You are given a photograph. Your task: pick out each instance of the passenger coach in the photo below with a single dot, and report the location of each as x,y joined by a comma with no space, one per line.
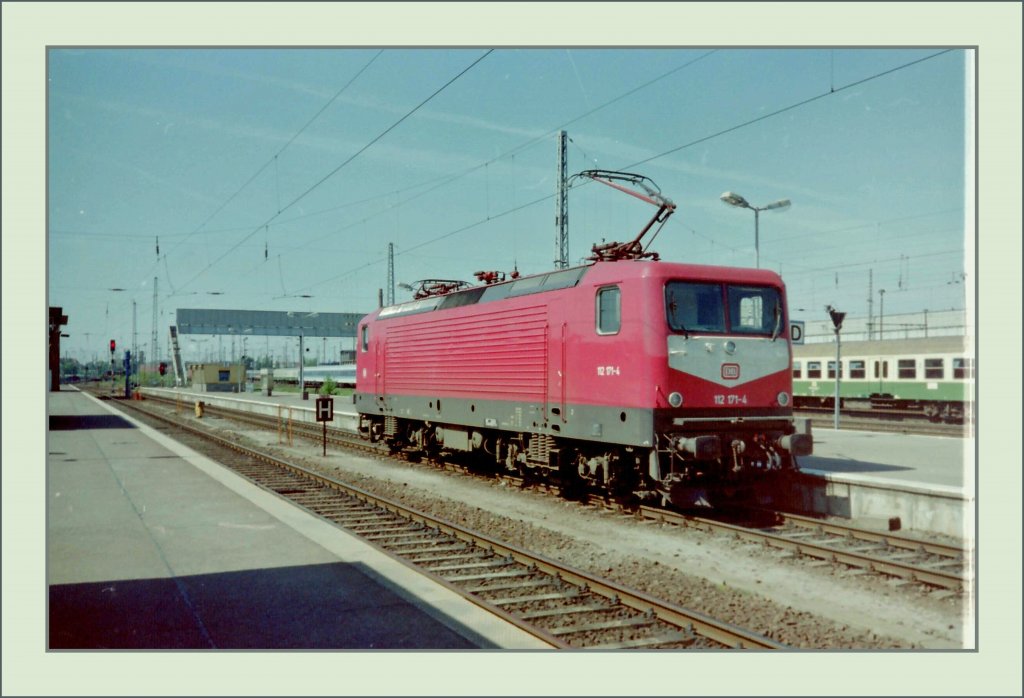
934,375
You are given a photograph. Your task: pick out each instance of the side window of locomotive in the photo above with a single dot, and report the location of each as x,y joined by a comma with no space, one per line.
814,369
933,368
858,370
609,310
694,307
962,369
906,368
365,331
796,369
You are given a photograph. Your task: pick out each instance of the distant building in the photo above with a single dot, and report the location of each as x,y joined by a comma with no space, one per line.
217,378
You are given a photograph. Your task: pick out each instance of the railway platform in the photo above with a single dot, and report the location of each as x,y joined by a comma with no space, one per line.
891,481
153,546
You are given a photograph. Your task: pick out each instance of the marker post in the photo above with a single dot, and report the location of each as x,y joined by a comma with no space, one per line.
324,414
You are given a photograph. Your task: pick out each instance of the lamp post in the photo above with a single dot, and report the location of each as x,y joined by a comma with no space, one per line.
132,355
733,199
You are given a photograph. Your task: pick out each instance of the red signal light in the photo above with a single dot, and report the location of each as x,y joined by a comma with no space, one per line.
163,368
113,346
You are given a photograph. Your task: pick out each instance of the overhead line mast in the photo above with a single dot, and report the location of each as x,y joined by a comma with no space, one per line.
155,338
562,207
391,274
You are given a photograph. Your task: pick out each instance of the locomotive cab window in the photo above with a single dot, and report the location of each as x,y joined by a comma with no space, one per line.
694,307
754,310
723,309
609,310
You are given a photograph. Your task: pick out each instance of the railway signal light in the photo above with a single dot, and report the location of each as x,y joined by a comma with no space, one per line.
837,323
837,317
113,346
163,368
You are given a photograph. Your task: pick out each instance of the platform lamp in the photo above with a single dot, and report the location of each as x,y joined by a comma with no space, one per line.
837,325
734,199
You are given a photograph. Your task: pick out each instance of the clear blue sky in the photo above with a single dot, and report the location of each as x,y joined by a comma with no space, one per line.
269,175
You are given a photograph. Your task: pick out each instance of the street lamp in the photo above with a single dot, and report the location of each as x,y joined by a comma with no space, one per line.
131,368
734,199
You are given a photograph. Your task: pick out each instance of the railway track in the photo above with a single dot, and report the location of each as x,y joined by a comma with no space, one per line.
931,564
565,607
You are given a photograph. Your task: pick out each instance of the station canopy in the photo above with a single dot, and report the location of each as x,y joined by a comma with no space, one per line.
272,323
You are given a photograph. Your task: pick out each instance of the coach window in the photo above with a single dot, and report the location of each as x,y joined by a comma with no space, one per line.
906,368
796,369
609,310
962,369
365,330
857,369
814,369
832,369
933,368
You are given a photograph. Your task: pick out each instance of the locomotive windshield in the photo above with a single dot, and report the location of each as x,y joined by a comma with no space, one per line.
723,308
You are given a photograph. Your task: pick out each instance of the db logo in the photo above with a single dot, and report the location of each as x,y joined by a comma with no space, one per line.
730,371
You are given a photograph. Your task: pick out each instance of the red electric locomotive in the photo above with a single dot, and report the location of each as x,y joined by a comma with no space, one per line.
629,374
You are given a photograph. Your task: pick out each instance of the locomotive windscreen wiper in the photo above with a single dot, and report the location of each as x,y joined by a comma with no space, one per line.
672,307
778,320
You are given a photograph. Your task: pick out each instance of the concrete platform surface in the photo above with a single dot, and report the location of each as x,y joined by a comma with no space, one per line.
153,546
906,459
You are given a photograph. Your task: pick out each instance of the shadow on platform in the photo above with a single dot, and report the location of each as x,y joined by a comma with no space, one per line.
324,606
845,465
69,422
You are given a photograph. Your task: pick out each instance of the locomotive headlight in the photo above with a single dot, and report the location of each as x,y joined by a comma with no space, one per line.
783,398
675,399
